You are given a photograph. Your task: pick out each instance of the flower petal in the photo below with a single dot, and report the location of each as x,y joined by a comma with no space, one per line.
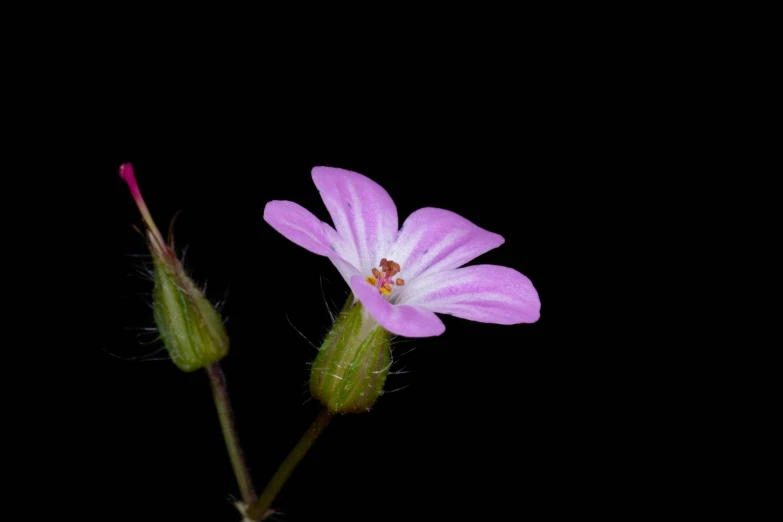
410,321
363,213
486,293
433,240
299,225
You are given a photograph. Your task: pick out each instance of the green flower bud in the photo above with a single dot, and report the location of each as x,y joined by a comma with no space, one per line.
350,369
190,327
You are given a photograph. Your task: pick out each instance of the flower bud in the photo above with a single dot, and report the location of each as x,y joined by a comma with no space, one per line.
191,329
350,369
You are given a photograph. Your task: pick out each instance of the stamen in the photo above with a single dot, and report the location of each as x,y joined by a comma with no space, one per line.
382,279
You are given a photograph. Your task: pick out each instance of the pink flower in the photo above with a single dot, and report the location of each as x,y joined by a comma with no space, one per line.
403,277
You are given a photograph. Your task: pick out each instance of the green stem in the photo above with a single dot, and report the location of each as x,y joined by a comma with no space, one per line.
260,506
218,382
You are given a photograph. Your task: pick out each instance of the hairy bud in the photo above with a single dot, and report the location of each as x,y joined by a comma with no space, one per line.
190,327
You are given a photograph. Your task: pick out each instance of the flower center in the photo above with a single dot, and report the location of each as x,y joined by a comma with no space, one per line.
382,279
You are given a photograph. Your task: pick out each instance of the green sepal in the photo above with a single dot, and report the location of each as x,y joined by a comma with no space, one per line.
350,369
190,327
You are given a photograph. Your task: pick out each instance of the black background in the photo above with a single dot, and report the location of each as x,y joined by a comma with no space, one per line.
492,420
577,135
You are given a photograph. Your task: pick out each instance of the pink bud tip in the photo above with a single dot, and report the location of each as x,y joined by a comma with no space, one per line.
126,173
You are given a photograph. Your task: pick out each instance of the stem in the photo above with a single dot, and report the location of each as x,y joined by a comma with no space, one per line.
218,382
260,506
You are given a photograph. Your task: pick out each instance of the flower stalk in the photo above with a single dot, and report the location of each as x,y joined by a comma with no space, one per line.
225,414
259,508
